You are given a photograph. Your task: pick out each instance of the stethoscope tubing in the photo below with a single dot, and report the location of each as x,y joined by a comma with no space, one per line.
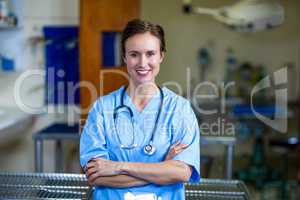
149,148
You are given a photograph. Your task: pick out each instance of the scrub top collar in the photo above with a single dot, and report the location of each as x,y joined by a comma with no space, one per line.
152,105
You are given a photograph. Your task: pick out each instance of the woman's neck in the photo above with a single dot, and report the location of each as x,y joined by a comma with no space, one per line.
142,93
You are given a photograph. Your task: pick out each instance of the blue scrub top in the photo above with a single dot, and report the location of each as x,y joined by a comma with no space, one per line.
177,121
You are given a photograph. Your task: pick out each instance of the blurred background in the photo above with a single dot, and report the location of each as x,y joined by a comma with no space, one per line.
236,61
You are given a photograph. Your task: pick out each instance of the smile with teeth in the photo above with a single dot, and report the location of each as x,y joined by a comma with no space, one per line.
142,72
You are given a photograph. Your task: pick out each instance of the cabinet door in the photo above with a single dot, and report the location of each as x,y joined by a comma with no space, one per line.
97,17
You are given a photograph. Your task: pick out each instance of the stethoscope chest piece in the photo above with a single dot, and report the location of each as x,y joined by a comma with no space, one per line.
149,149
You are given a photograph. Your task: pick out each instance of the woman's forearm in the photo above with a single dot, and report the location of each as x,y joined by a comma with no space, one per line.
119,181
162,173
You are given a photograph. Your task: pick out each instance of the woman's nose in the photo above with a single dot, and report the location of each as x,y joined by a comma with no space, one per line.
143,61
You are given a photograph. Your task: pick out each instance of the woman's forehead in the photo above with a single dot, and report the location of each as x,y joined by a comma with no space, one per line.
142,41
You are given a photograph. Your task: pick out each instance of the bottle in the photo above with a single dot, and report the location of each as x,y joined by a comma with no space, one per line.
230,70
0,62
4,11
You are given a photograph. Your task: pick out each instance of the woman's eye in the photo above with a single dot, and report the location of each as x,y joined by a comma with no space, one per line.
133,55
151,53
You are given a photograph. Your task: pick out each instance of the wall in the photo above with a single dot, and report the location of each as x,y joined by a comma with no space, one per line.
12,40
27,47
185,34
23,43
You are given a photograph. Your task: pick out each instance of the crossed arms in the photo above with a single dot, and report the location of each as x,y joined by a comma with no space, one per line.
104,172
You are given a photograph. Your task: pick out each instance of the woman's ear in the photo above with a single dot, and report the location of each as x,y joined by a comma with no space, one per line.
124,60
162,56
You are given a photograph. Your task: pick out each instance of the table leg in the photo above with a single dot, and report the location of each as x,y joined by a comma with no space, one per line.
58,156
229,161
38,152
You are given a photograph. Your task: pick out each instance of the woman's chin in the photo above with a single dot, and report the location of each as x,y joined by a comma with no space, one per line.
144,81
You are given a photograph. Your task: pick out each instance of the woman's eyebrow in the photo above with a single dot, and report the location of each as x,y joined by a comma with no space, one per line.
138,52
133,51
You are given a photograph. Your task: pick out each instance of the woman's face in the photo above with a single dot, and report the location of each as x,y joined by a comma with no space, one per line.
143,57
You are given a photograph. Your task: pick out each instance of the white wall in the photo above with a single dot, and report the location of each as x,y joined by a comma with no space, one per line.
49,12
33,15
185,34
27,48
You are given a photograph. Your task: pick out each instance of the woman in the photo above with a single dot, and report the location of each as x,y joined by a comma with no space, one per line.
141,141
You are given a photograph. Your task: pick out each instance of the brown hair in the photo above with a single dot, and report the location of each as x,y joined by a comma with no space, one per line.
138,26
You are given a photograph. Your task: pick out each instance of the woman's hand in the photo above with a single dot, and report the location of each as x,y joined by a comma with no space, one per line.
101,167
175,149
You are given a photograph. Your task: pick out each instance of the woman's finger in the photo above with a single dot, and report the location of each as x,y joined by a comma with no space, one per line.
179,146
178,149
183,146
175,149
175,144
90,164
90,171
93,177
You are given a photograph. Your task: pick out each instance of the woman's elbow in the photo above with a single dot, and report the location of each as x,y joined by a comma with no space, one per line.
184,173
183,176
181,173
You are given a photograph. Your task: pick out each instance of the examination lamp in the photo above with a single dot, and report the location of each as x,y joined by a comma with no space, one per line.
245,15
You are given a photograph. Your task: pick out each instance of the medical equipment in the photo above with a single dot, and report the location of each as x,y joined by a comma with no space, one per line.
204,61
244,16
149,149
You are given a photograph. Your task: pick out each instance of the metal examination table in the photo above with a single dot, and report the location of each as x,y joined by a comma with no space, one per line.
60,132
74,186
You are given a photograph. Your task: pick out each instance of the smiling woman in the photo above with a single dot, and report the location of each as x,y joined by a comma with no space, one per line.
160,150
143,49
143,58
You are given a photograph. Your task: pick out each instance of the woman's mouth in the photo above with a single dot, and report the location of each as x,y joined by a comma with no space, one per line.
142,72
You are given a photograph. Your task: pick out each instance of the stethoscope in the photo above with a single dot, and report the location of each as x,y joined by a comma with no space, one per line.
149,148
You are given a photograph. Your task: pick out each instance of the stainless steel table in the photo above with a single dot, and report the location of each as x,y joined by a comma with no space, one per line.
74,186
229,143
217,189
43,186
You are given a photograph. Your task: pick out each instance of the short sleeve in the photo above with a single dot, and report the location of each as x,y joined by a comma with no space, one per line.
92,139
187,131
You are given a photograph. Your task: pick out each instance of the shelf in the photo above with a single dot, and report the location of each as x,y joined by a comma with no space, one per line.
8,27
